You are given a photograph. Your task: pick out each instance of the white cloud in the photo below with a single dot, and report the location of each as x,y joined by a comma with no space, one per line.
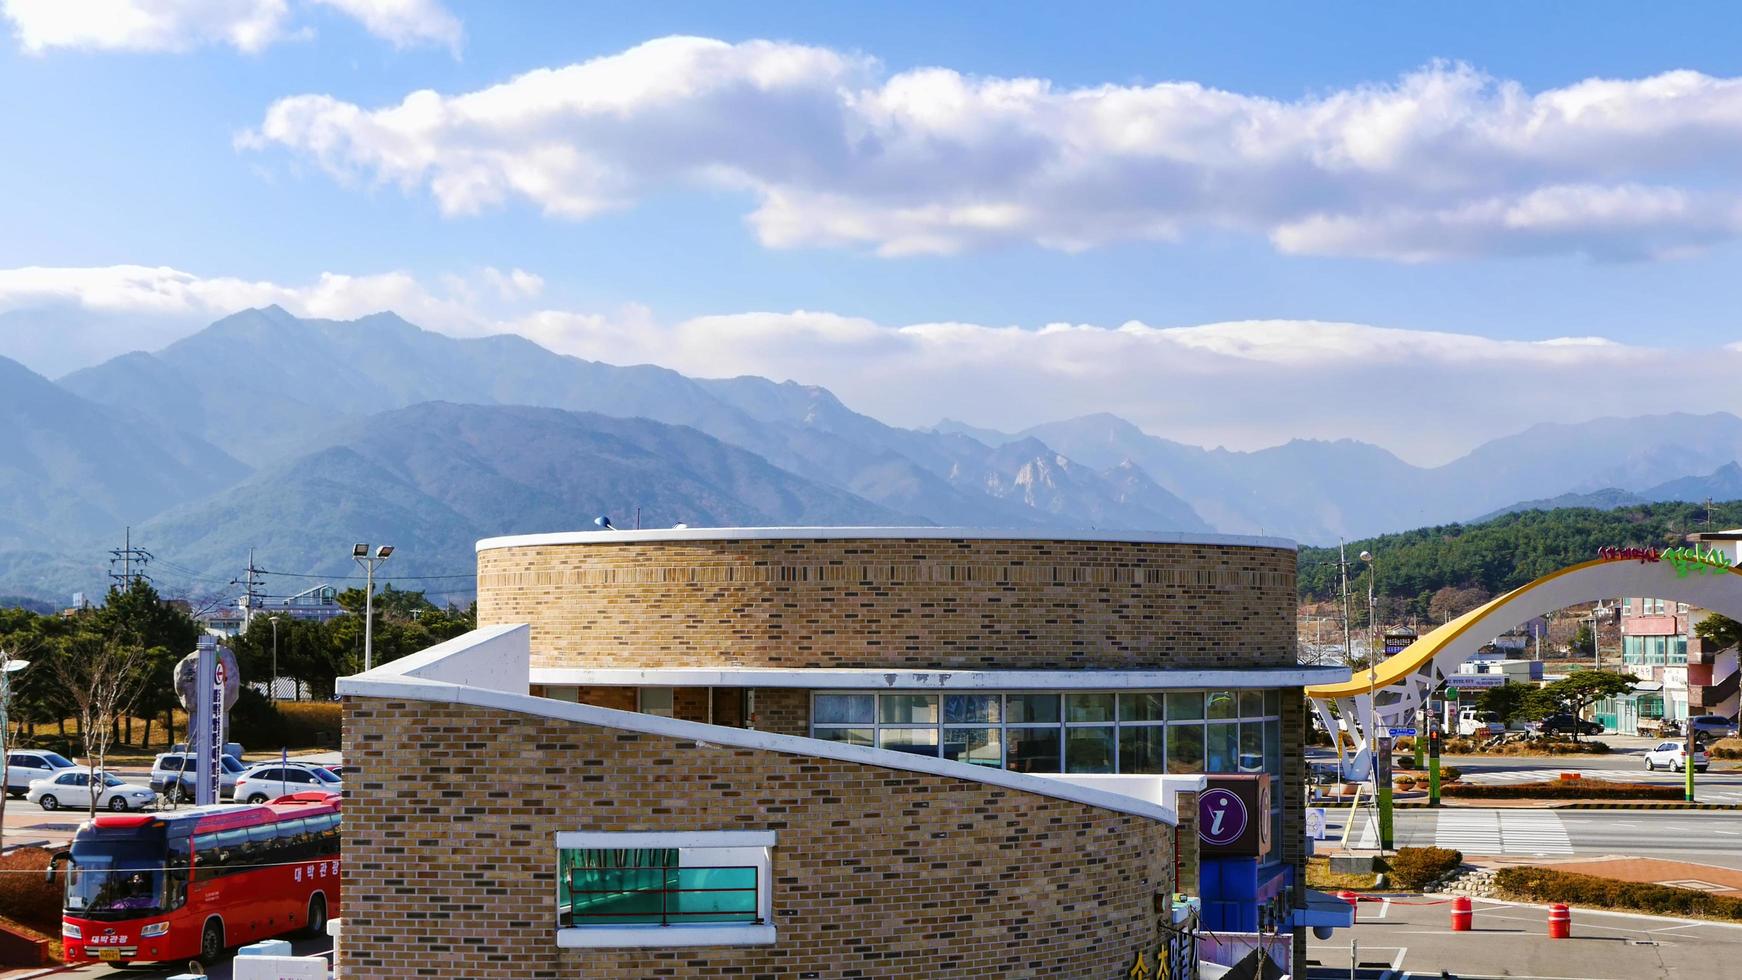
181,25
147,25
406,23
1444,162
1424,394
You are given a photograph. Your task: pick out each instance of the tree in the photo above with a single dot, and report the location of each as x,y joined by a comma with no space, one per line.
1508,701
1578,691
104,677
1722,630
1582,642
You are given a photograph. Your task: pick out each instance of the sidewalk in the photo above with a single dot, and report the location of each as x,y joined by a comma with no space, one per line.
1676,874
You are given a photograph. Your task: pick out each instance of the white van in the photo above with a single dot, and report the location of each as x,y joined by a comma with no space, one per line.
1472,721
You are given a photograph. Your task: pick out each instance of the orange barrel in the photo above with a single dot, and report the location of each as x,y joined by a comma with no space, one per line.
1462,914
1354,901
1560,922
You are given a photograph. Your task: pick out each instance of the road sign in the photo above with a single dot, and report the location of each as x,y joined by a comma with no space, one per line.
1401,732
1476,680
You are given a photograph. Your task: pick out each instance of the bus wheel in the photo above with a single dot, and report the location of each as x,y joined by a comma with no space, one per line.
317,917
212,942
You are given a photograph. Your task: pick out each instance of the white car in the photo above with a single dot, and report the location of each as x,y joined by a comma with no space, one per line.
270,780
1673,755
26,766
73,789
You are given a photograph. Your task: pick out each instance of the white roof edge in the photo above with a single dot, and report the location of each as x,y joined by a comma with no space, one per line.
880,533
825,678
418,689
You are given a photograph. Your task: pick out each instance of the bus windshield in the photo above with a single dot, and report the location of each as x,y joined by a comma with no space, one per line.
118,879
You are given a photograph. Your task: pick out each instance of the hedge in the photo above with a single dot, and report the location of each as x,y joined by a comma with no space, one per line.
1537,746
25,897
1565,789
1546,885
1729,748
1418,867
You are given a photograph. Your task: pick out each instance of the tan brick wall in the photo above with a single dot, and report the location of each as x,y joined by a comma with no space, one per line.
783,710
877,873
920,603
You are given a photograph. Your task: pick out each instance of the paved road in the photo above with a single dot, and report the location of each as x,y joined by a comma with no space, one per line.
221,971
1396,941
1701,836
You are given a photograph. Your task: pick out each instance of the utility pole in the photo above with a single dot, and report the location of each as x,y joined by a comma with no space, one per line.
128,556
1343,566
250,592
272,685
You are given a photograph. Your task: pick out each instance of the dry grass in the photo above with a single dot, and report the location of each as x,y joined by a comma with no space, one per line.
1319,875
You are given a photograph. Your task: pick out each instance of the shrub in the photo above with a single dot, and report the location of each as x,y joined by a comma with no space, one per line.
1535,746
24,896
1450,774
1405,783
1546,885
1418,867
1568,789
1729,748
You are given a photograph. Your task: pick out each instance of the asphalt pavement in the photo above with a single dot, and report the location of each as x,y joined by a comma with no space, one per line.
219,971
1407,938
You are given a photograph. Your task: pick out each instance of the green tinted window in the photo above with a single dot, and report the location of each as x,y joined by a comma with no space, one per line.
646,886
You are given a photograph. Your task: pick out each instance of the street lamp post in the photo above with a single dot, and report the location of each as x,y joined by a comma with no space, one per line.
360,553
272,685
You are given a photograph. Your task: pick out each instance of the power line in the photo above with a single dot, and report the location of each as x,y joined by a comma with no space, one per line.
127,557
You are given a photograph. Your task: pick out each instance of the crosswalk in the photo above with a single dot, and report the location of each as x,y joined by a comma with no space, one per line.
1708,794
1536,833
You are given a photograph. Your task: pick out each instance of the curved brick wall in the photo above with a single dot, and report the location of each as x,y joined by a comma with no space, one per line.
921,603
877,872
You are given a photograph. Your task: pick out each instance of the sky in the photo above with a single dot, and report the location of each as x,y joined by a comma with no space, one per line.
1234,224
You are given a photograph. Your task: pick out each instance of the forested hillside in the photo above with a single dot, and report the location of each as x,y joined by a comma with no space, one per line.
1502,553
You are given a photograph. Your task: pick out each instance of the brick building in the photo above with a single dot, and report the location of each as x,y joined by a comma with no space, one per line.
832,752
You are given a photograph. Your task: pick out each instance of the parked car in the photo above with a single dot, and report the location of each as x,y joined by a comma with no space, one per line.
1713,727
1472,721
72,788
26,766
1565,724
270,780
175,775
1673,755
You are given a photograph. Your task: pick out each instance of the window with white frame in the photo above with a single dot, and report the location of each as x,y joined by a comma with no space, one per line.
701,888
1148,732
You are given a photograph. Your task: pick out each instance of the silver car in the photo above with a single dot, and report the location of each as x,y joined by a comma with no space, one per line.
73,788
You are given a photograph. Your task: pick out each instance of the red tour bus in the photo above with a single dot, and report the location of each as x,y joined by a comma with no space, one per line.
193,883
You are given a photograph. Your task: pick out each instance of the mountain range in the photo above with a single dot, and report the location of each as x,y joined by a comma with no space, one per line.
297,437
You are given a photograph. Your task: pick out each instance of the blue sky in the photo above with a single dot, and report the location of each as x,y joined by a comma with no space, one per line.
124,150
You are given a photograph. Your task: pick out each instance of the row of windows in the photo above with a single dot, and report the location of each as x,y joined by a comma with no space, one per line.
228,852
1075,708
1144,732
1655,651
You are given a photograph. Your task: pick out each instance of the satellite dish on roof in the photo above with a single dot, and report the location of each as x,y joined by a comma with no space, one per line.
604,523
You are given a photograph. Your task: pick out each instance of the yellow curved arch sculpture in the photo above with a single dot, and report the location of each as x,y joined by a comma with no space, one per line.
1400,683
1412,659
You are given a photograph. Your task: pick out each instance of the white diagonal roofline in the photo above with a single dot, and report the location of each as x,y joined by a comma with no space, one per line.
499,656
649,535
